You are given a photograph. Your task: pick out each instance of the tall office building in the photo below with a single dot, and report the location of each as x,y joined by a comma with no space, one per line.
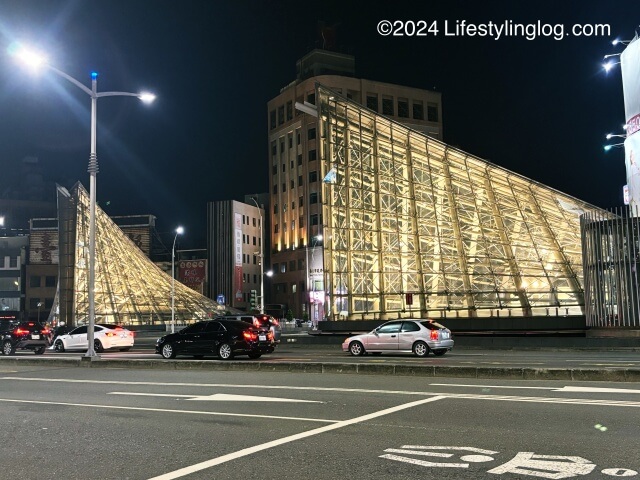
295,208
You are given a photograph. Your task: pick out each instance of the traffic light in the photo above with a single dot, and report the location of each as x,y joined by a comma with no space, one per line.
253,299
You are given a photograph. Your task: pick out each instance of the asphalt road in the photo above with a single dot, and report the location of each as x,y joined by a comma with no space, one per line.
109,423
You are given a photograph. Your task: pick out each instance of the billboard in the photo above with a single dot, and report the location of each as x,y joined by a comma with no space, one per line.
630,66
238,257
192,273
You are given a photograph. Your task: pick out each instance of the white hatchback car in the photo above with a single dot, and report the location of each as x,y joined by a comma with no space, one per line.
419,336
105,337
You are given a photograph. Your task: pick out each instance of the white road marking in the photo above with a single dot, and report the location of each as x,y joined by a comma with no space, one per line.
168,410
220,397
596,390
554,389
281,441
489,386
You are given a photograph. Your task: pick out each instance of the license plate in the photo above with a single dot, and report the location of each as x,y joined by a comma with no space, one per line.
262,338
35,337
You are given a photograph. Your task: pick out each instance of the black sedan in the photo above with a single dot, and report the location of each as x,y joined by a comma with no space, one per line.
221,338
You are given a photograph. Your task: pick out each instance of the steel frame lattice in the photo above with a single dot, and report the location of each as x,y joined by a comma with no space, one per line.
129,288
410,214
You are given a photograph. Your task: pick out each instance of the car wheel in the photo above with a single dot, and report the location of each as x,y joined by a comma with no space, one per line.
439,353
7,348
40,350
59,346
356,349
168,351
225,352
125,349
420,349
255,355
97,346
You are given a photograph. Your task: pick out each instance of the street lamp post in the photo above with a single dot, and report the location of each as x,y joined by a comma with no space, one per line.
36,60
179,231
39,305
261,256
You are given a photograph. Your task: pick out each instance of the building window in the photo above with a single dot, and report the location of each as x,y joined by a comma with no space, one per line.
302,286
372,102
293,288
275,267
403,108
301,264
292,265
301,202
293,184
283,267
432,112
34,281
274,148
418,110
254,240
298,136
290,138
301,221
300,159
291,164
281,146
293,205
276,229
387,105
255,279
299,180
255,262
311,98
280,114
283,168
314,219
13,262
275,208
289,110
272,119
311,134
312,155
284,187
313,176
293,224
313,198
254,221
275,189
274,170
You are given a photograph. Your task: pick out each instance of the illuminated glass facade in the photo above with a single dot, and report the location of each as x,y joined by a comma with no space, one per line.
129,287
412,226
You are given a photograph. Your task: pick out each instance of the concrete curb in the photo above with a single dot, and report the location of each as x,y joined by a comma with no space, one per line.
506,373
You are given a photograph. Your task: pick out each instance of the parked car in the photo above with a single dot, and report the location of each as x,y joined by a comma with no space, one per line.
415,336
260,320
221,337
24,336
105,337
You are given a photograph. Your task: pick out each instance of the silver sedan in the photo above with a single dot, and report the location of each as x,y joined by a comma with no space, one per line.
412,336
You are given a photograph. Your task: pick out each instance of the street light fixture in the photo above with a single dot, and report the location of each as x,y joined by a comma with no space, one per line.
179,231
36,60
261,256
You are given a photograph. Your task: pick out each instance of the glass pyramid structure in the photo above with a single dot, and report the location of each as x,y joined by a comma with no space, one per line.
129,288
413,226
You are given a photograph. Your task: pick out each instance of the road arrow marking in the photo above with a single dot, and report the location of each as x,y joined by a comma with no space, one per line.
219,397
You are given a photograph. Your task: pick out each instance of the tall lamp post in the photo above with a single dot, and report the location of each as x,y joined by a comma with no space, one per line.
39,305
179,231
261,256
35,60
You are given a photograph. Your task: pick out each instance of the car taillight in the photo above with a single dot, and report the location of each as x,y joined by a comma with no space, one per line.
275,322
45,331
434,335
20,331
110,334
249,335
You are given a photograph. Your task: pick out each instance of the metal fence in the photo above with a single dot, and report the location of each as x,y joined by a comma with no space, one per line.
611,257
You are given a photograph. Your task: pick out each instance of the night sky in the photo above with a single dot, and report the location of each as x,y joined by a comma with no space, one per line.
538,107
